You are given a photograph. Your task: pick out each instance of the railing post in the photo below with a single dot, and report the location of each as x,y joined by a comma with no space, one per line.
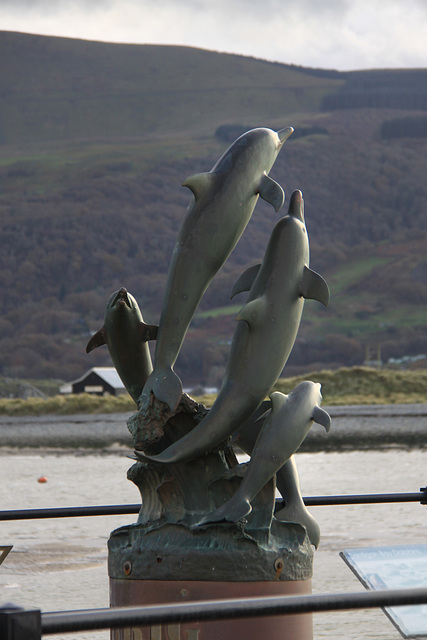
19,624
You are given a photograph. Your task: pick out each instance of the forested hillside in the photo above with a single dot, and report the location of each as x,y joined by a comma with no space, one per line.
96,140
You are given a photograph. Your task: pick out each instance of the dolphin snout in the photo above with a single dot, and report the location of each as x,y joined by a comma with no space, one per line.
296,205
284,134
121,295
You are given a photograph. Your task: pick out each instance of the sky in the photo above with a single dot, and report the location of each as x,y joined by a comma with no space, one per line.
328,34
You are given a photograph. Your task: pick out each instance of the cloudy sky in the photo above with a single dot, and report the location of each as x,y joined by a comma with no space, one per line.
331,34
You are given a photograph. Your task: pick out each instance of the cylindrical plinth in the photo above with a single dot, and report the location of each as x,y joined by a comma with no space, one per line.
149,592
165,563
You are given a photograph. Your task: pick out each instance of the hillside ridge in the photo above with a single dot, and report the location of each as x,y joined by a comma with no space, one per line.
91,198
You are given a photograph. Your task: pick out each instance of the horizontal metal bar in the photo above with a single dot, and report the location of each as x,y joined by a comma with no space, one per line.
120,509
69,512
69,621
373,498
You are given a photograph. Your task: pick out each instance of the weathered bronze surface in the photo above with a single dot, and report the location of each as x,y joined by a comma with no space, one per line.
280,436
224,200
265,334
126,335
205,517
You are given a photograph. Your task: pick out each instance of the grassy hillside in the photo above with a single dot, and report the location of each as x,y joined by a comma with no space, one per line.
357,385
59,88
96,141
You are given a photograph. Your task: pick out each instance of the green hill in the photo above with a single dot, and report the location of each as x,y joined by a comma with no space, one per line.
62,89
95,142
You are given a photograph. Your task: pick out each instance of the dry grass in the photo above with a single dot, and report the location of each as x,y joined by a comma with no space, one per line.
357,385
360,385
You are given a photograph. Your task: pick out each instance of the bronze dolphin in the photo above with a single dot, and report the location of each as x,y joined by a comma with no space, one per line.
224,199
290,420
125,334
287,480
266,330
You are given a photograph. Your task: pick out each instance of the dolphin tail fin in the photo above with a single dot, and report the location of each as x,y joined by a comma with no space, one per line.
166,387
303,517
232,511
97,340
314,287
271,191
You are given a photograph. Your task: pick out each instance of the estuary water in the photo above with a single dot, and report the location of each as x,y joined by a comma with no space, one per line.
60,564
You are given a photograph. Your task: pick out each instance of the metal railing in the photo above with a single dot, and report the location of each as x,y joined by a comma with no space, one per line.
121,509
21,624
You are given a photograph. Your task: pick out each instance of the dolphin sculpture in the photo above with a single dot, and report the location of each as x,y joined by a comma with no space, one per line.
267,326
290,420
125,334
224,199
287,480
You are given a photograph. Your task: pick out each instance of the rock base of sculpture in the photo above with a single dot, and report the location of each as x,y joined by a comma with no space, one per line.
168,556
160,562
223,552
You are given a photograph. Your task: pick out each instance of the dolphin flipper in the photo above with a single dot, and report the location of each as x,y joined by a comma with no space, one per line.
270,191
322,417
148,331
245,281
314,287
97,340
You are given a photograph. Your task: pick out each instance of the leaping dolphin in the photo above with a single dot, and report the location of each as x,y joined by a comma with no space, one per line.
125,334
290,420
287,480
224,199
266,330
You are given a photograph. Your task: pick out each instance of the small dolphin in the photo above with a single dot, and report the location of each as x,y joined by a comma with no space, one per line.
224,199
125,334
282,433
266,330
287,480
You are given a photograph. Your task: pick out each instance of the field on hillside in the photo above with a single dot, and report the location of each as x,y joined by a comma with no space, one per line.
347,386
96,142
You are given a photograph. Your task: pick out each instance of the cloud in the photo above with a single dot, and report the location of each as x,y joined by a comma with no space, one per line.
341,34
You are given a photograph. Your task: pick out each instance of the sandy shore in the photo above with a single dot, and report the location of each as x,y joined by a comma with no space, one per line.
356,427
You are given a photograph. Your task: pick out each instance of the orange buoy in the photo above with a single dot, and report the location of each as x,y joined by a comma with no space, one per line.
42,479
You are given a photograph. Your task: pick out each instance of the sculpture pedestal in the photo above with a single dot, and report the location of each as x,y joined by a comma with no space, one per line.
149,592
164,563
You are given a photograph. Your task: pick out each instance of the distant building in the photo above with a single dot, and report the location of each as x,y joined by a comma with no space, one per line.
100,381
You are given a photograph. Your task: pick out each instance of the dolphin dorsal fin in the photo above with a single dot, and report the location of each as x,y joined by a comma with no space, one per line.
322,417
253,312
97,340
278,399
199,183
148,331
270,191
245,281
314,287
